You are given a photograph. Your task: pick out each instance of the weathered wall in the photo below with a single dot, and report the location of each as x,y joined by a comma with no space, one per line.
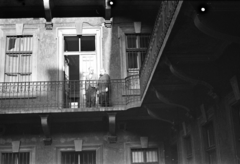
223,136
127,25
47,42
110,153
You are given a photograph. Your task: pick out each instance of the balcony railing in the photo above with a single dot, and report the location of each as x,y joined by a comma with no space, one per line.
69,94
163,24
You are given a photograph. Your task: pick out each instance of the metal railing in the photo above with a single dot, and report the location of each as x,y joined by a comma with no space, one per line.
167,11
68,94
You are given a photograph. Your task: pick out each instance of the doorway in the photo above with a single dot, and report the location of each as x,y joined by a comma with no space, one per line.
80,55
76,55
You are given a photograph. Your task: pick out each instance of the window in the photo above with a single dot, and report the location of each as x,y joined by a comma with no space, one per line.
136,49
188,148
83,157
80,54
15,158
209,143
236,125
144,156
18,58
87,43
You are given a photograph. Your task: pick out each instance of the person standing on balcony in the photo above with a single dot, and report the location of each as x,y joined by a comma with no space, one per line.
91,88
103,88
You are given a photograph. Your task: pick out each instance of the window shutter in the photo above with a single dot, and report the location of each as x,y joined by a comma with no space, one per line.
11,67
18,65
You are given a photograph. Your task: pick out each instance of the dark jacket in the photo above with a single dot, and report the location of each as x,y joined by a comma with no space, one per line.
104,83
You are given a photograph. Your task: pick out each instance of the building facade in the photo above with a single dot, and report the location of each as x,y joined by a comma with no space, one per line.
172,96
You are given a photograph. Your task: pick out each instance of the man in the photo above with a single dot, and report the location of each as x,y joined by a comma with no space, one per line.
103,88
90,87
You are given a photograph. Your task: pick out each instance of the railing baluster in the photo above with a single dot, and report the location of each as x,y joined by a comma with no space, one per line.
67,94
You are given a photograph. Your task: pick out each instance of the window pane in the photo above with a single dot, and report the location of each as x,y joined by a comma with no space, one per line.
19,43
11,68
132,59
151,156
85,157
131,41
137,157
71,43
26,43
88,157
88,43
210,135
11,43
11,63
143,54
188,146
212,157
25,64
15,158
69,157
144,41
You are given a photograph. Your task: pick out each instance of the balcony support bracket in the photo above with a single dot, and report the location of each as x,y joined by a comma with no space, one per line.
48,14
46,130
112,127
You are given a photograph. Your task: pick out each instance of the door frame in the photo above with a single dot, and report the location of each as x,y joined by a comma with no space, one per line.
61,32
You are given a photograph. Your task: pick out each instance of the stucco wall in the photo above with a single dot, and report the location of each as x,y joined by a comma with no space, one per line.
223,136
111,153
47,41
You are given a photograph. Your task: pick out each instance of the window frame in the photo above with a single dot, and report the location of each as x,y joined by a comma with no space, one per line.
71,31
12,32
128,146
78,156
30,149
20,55
123,30
4,33
188,155
65,148
234,115
137,49
144,150
208,149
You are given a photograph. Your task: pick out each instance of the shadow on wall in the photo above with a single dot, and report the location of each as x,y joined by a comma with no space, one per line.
54,94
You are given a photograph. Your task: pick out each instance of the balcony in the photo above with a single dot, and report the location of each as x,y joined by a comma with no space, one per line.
163,25
69,96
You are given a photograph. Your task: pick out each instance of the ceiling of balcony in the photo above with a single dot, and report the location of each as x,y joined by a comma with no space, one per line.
200,56
73,8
